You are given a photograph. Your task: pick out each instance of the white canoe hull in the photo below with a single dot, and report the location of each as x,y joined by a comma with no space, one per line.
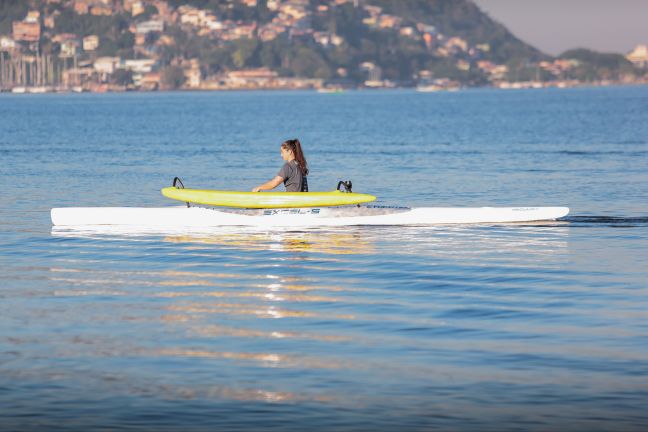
198,217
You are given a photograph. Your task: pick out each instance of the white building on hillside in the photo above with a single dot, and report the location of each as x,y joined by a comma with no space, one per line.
639,56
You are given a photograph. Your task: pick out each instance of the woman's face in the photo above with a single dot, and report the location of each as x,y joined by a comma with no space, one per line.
286,154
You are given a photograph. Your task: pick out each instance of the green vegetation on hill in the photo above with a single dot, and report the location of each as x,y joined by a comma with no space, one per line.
402,41
229,10
595,65
11,11
115,37
464,19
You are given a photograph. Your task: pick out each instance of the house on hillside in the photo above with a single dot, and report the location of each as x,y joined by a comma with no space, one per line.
101,10
150,26
81,7
90,43
68,43
639,56
28,32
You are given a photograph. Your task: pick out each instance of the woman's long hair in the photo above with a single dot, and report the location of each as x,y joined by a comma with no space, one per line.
295,147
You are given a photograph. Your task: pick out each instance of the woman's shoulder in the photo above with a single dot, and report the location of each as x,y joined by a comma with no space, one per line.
289,166
286,169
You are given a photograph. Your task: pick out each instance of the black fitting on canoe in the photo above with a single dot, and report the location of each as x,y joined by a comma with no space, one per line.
347,186
177,180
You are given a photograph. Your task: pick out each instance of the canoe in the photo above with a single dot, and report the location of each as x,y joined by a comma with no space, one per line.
201,217
267,200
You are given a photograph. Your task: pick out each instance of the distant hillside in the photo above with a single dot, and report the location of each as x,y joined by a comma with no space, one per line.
594,65
463,18
374,43
399,56
368,34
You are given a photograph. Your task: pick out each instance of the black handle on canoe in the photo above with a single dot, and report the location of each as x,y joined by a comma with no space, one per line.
177,180
347,186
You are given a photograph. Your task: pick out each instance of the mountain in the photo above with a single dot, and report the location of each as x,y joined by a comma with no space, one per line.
443,43
464,19
593,65
405,40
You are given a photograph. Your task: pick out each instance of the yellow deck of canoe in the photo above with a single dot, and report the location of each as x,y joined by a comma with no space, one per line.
266,199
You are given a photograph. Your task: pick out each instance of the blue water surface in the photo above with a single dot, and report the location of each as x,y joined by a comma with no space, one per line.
504,327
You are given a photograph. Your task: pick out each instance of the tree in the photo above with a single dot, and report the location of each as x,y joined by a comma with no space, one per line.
122,77
11,11
268,56
149,11
173,77
306,62
126,40
107,47
243,51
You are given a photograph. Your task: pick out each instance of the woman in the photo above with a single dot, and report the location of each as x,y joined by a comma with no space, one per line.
293,173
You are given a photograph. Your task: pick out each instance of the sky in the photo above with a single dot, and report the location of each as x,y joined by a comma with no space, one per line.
554,26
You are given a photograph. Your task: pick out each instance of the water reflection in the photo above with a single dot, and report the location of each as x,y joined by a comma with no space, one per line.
543,237
389,307
222,330
333,243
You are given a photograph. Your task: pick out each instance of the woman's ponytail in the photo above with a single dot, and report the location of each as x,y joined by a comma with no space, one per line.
295,146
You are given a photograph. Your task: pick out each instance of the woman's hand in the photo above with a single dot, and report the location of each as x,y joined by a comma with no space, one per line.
256,189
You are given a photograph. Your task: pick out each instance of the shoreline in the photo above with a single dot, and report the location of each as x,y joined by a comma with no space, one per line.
323,90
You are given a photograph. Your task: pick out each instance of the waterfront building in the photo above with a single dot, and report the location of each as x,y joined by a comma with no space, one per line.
106,65
140,65
69,48
7,44
639,56
151,81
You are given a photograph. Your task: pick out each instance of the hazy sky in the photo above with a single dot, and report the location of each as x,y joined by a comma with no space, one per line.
554,26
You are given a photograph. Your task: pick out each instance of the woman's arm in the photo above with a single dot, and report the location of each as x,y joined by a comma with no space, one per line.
269,185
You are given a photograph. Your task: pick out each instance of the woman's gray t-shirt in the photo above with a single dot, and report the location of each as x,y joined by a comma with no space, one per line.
293,178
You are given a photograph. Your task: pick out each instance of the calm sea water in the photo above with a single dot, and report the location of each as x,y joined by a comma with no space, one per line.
532,326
